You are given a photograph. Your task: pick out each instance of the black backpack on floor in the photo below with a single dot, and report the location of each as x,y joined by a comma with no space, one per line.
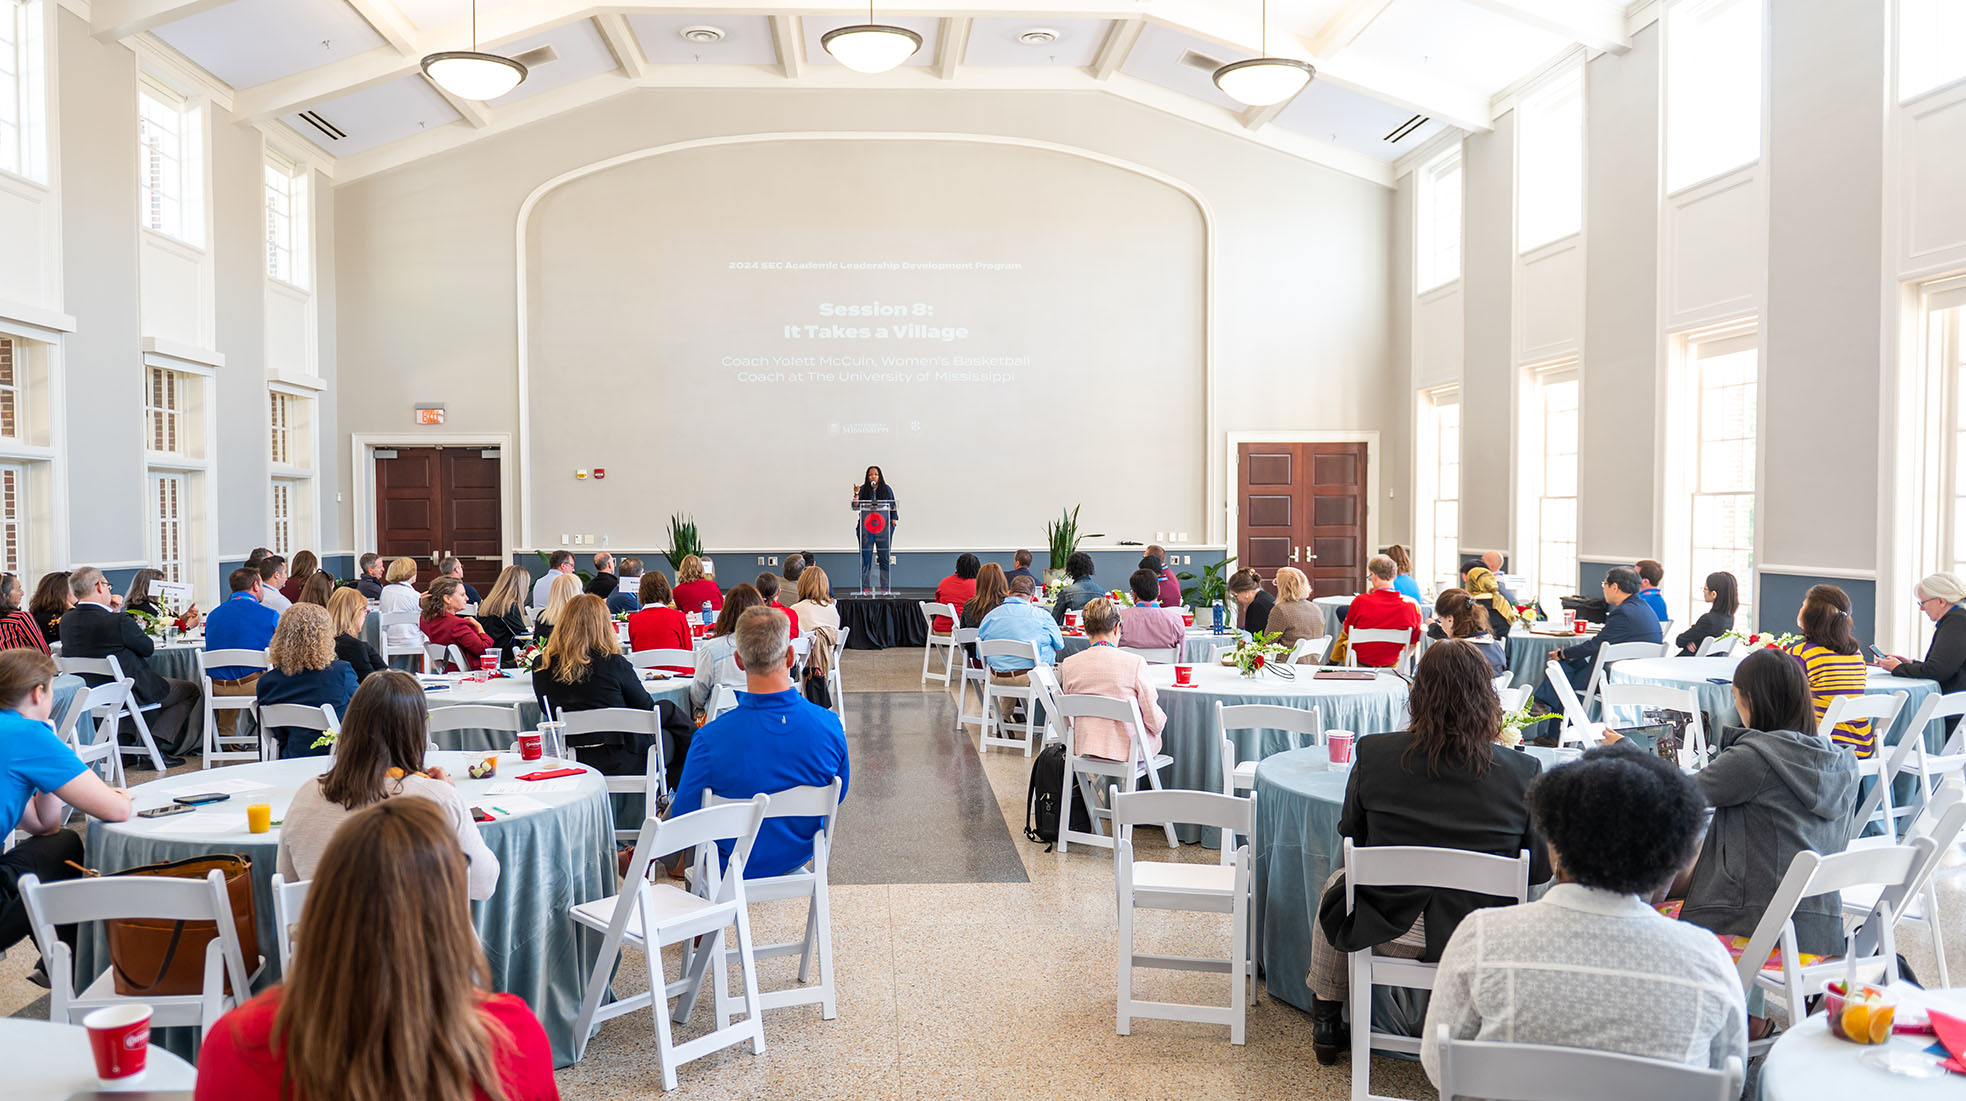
1041,799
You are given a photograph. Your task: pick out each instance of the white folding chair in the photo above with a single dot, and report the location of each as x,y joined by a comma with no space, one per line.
722,698
971,672
809,882
653,783
1606,656
834,681
1638,697
475,716
1166,655
1950,761
273,716
1046,690
103,699
436,654
1940,820
942,640
1574,727
1411,866
228,748
1400,638
1222,888
411,649
111,669
1718,646
1513,698
288,901
672,660
1503,681
1072,708
1545,1072
1882,764
1665,638
1891,868
994,724
72,902
1301,726
647,916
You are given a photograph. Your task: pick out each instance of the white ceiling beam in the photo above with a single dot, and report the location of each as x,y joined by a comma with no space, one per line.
1118,45
788,38
1255,118
1343,28
951,45
623,44
1593,23
113,20
475,114
390,22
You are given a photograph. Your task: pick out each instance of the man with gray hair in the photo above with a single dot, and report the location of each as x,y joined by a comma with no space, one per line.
772,741
103,631
1019,620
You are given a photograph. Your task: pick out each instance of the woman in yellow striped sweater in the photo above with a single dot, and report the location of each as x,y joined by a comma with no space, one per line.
1833,662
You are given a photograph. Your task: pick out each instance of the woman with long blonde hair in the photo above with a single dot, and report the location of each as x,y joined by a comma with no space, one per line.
815,607
695,587
305,671
348,610
380,1009
563,589
501,612
582,669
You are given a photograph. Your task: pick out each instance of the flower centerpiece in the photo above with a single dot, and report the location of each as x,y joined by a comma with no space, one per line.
1515,722
153,625
1052,588
1531,612
1764,640
1261,652
1124,600
527,657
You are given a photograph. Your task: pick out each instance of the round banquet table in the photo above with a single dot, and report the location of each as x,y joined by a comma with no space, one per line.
52,1060
516,688
1718,699
1196,647
1335,608
1807,1062
1363,707
552,857
1529,652
1298,798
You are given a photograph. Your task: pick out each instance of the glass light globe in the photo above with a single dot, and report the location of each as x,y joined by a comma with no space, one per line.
470,75
871,47
1263,81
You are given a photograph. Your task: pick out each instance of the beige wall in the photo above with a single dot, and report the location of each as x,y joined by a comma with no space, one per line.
1301,325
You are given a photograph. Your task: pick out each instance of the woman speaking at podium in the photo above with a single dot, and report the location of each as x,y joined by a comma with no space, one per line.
875,515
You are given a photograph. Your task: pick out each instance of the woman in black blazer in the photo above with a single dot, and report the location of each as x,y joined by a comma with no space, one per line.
1723,596
499,612
350,612
1444,783
581,669
1939,597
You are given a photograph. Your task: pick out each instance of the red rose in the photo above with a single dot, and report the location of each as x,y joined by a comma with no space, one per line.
1258,662
1753,639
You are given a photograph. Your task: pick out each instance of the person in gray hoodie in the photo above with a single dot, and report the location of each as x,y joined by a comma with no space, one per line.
1777,788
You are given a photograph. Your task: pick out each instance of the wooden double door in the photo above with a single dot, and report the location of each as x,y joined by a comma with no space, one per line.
1303,505
434,502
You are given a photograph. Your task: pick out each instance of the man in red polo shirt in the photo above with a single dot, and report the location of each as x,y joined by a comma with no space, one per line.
1381,608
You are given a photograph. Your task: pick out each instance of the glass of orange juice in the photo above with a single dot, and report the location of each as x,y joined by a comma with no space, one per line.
259,817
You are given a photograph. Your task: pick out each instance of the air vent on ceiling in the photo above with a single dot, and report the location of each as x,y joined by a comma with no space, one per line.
1038,36
1203,62
537,56
314,119
1405,129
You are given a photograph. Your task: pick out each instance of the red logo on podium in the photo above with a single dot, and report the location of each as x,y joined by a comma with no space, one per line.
875,523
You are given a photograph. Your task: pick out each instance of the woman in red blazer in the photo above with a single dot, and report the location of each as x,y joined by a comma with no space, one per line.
659,626
444,625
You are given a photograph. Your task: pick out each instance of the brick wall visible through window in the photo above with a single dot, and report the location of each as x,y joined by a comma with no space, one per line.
13,510
165,410
10,395
280,416
167,536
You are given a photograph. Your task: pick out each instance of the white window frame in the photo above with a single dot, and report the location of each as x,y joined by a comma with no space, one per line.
186,147
296,473
37,450
289,221
24,79
280,427
1551,572
282,514
1696,69
191,461
1441,204
1929,37
169,542
164,428
1437,505
1549,186
1688,407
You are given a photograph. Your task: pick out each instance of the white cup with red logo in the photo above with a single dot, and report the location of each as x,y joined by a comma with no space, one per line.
530,743
1187,619
1184,675
487,664
1339,744
119,1038
1569,618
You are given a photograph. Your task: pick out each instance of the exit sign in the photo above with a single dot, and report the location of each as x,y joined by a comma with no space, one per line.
429,414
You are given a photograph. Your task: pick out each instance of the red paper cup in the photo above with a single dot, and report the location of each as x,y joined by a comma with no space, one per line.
1339,744
488,661
1580,626
529,745
119,1036
1184,674
1071,619
1187,619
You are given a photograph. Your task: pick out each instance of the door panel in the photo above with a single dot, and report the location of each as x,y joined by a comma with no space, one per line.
471,527
407,522
432,500
1335,531
1303,505
1270,504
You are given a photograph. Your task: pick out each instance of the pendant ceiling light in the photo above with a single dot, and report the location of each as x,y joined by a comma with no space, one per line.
871,47
471,74
1263,81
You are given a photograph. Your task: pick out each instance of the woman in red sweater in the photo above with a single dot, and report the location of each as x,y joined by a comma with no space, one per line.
373,1009
693,588
658,626
956,590
444,624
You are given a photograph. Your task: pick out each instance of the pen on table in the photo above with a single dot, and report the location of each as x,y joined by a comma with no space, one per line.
503,811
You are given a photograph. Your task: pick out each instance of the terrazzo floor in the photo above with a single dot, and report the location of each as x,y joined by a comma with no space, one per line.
972,963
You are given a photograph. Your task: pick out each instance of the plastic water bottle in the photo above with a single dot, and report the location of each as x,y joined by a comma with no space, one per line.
1220,614
709,617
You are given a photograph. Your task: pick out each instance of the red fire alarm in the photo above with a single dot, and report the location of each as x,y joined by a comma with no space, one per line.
600,473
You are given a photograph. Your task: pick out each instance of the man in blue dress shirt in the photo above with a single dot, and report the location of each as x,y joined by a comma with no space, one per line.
241,623
772,741
1019,620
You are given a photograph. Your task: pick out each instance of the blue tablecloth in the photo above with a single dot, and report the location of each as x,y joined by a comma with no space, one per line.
1196,648
1718,699
517,689
549,860
1298,798
1363,707
1529,652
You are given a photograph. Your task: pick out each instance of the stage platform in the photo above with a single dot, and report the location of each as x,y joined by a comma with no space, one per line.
884,622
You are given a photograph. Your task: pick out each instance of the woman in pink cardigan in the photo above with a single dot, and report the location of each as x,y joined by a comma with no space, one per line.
1103,669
